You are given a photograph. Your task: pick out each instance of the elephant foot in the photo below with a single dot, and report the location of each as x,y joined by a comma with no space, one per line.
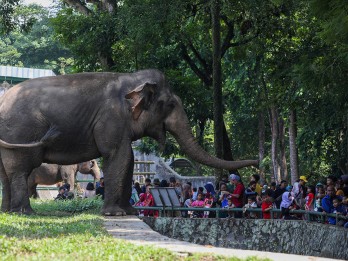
113,211
5,208
130,210
23,210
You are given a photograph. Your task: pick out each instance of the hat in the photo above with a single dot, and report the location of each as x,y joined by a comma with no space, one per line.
234,177
303,178
288,188
319,185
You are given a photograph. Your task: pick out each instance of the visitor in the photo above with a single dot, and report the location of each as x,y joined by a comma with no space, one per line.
210,188
256,178
250,191
134,196
147,200
68,194
224,180
230,205
198,203
309,206
299,191
172,182
267,204
164,183
286,205
273,189
61,193
137,188
250,205
237,194
89,191
208,203
194,193
156,183
279,192
339,187
100,190
320,194
143,187
338,209
186,194
327,202
221,199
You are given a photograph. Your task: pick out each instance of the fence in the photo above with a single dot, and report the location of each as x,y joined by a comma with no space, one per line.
309,215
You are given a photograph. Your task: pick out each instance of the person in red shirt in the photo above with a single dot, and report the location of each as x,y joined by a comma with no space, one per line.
310,198
237,194
267,204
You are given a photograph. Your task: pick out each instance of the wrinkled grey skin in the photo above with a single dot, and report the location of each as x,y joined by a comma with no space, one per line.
50,174
74,118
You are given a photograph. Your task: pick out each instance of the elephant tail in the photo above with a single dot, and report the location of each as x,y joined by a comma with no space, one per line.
7,145
49,137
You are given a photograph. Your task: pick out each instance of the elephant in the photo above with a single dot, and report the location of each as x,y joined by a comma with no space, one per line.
67,119
50,174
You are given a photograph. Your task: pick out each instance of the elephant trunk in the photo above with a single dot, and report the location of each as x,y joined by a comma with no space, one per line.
178,125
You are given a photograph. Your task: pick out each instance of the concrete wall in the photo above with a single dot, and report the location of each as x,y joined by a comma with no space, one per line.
292,237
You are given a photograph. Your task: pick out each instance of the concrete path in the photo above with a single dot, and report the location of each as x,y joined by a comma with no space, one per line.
134,230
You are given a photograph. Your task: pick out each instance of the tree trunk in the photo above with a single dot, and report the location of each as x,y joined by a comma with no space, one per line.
261,130
293,147
283,166
227,150
217,89
274,149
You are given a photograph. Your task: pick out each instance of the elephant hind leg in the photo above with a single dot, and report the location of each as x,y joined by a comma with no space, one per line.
6,190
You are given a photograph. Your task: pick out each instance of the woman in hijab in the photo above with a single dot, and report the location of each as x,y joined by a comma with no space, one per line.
285,205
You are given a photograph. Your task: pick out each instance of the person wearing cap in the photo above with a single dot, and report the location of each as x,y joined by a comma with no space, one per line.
298,190
237,194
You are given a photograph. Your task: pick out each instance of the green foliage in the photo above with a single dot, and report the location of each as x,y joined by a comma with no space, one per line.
36,48
76,205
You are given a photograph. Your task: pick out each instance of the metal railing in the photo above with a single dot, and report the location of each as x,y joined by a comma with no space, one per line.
309,215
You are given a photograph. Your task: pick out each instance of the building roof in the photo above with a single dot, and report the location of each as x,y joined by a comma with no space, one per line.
15,75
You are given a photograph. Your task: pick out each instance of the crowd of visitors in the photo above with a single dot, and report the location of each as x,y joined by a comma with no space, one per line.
90,191
230,192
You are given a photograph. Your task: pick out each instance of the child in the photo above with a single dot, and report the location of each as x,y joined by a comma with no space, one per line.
198,203
267,204
230,205
320,195
251,204
310,198
208,203
338,209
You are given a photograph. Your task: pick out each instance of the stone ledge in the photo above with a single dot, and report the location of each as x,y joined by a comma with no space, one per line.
278,236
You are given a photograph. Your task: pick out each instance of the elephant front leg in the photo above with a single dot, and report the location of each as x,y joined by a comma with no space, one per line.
127,189
116,181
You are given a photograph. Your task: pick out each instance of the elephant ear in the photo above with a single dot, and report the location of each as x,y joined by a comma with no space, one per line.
141,98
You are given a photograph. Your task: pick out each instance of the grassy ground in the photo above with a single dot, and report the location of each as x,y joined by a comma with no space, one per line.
72,230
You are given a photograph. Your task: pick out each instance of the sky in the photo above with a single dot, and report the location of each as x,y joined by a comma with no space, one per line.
44,3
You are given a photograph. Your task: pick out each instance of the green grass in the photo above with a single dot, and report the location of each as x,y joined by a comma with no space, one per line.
72,230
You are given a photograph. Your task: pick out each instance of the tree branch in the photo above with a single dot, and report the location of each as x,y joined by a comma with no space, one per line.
229,36
207,68
205,78
244,41
78,6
